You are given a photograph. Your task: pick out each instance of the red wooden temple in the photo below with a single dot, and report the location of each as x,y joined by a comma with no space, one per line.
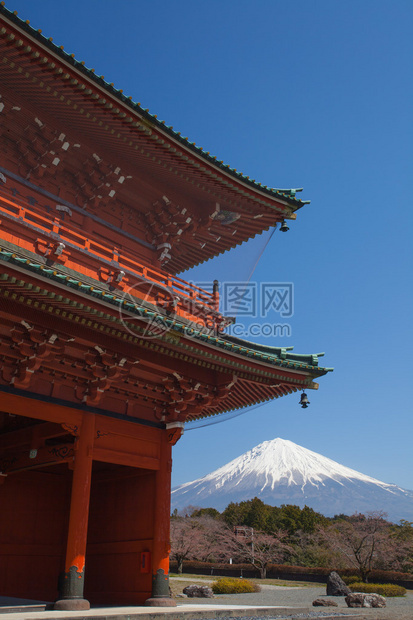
105,351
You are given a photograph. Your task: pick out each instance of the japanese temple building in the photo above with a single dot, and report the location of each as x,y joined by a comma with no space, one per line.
105,351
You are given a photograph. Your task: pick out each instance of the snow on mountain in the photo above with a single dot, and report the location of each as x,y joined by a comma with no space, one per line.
281,472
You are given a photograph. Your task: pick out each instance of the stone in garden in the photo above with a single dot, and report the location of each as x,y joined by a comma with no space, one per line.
194,591
360,599
322,602
336,586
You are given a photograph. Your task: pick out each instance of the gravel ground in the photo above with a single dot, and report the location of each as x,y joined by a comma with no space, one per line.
397,608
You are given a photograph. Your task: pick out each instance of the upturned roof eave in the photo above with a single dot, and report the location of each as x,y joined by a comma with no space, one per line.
307,366
262,191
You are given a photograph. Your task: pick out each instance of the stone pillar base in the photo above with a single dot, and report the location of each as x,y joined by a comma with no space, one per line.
162,601
161,594
71,591
71,604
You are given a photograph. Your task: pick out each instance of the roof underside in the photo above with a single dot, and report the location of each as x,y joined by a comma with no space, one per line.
225,207
250,376
287,195
99,293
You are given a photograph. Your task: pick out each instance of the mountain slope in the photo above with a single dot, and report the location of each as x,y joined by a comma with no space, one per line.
281,472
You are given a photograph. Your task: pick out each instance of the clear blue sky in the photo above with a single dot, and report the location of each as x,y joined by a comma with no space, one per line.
314,94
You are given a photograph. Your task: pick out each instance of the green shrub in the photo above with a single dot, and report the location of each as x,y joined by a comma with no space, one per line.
350,579
229,585
385,589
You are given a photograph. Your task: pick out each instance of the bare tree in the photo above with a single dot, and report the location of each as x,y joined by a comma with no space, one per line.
185,540
308,550
362,541
202,539
401,538
219,542
260,549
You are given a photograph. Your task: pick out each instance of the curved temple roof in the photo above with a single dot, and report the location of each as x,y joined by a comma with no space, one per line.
288,196
208,208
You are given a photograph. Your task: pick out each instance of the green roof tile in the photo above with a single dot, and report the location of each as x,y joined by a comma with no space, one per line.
277,356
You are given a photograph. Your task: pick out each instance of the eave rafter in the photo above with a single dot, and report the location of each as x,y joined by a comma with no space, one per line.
101,115
76,97
94,372
109,322
76,78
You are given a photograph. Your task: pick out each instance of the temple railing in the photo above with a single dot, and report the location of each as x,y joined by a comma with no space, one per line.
64,244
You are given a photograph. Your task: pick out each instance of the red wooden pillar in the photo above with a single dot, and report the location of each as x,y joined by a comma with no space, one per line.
161,541
72,581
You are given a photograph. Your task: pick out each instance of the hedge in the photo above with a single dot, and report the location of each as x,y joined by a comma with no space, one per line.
384,589
291,573
350,579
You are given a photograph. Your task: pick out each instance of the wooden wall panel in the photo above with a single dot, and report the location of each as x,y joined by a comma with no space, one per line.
120,528
34,508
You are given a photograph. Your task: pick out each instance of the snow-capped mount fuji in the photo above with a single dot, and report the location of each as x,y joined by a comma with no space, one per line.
281,472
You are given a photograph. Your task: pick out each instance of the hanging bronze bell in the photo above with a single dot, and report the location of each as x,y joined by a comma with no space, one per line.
284,227
304,402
